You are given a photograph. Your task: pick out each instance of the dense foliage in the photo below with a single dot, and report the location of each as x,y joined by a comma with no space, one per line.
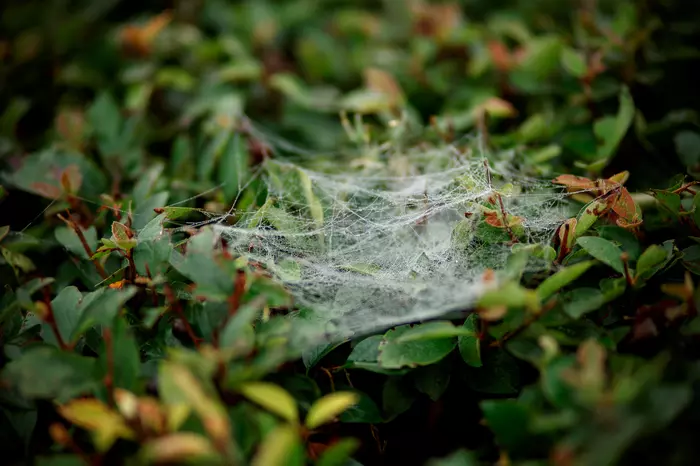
131,334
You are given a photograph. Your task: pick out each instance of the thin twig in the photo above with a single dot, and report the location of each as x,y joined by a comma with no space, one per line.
109,377
51,320
175,306
103,273
504,216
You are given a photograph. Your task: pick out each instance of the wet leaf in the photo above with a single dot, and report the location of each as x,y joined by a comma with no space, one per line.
394,354
329,407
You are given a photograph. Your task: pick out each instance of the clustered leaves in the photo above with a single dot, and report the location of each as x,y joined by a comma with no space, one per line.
131,335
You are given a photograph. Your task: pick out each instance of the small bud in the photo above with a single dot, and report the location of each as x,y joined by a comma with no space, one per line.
59,434
42,311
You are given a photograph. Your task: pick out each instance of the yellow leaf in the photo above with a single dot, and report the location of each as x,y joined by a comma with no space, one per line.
277,447
329,407
212,414
105,424
176,416
273,398
177,447
496,107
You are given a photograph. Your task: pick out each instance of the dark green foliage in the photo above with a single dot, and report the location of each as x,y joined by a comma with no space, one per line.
131,335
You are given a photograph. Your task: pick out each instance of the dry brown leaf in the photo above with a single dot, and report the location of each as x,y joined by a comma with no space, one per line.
381,81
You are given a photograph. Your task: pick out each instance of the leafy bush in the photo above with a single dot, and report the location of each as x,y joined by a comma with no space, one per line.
208,258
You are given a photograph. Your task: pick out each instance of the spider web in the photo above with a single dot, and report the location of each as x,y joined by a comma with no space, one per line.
395,240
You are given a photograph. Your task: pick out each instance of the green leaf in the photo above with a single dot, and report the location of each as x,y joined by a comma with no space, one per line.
541,57
626,239
470,345
366,350
398,395
432,380
580,301
329,407
696,209
273,398
70,240
365,411
315,207
574,62
562,278
60,460
338,453
101,307
603,250
611,130
671,202
394,354
4,231
233,169
651,260
49,373
238,333
500,373
67,311
432,331
588,216
613,288
121,235
509,420
126,360
104,117
18,261
281,447
457,458
510,294
688,147
313,356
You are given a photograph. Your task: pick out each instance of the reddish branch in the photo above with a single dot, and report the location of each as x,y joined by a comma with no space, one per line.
79,232
177,308
50,319
109,353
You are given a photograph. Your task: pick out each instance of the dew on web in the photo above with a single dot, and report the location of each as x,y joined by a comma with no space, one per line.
370,248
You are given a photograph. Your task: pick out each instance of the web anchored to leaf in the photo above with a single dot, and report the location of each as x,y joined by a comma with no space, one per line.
379,247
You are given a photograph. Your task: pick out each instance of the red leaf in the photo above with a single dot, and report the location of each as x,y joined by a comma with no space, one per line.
493,219
49,191
575,183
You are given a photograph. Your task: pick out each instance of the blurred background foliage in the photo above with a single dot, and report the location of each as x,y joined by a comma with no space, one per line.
147,100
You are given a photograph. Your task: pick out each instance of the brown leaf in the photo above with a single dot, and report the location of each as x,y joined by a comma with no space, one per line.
493,219
121,232
70,125
49,191
71,179
627,210
381,81
493,313
500,55
497,107
566,233
436,20
137,40
574,183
